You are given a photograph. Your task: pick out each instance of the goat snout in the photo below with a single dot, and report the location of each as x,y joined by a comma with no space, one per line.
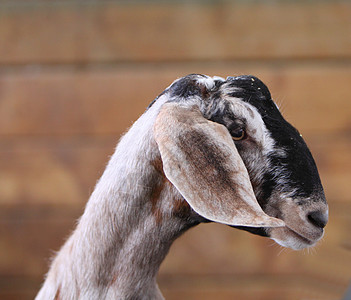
318,218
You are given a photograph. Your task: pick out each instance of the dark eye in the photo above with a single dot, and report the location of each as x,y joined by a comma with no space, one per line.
238,135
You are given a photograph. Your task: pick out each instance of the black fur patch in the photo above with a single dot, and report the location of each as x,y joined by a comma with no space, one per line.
298,165
266,189
250,85
187,87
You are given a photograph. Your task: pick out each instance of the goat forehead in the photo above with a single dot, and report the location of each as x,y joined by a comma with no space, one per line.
253,91
249,85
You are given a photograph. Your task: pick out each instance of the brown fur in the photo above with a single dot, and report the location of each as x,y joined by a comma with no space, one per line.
157,164
154,199
181,208
57,295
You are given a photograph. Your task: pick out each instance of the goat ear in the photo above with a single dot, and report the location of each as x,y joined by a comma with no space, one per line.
200,159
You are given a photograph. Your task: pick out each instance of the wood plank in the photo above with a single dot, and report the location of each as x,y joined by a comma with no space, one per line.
107,100
19,287
173,31
61,172
31,234
315,100
73,103
249,287
332,155
206,287
29,237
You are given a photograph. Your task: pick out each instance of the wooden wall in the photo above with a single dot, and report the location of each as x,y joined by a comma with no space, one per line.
75,75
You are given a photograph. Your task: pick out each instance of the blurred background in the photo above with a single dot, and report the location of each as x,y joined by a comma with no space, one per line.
74,75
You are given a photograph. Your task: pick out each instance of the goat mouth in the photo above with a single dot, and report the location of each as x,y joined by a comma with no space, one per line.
300,237
290,238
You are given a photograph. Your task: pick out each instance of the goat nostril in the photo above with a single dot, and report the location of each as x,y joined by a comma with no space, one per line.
318,218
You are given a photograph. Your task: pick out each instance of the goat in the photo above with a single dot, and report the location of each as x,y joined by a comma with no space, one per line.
205,150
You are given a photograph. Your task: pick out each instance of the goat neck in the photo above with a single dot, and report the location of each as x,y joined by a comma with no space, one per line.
128,226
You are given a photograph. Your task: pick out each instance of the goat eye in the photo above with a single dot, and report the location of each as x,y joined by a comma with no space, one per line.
238,135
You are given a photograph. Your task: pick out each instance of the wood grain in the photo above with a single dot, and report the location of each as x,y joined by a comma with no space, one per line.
173,31
56,172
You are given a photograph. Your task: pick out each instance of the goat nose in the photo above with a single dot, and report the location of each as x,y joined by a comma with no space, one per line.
318,218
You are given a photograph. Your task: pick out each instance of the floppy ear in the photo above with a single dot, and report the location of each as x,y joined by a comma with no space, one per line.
200,159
